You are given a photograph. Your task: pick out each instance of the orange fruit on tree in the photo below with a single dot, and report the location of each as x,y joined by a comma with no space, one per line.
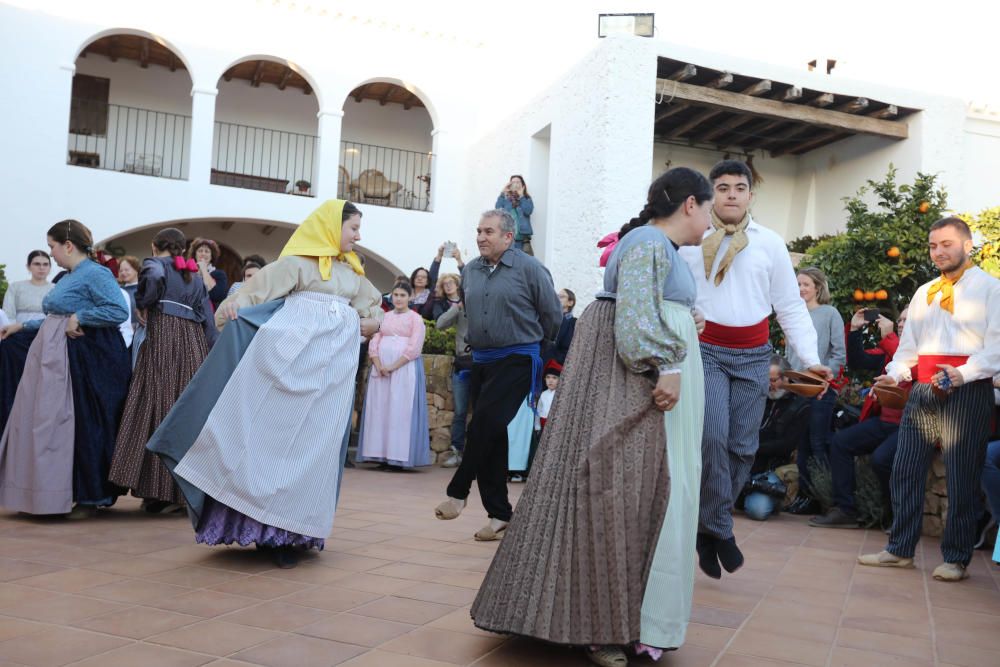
869,296
924,207
859,295
881,295
892,252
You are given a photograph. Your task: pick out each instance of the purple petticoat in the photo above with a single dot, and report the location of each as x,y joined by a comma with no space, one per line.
221,524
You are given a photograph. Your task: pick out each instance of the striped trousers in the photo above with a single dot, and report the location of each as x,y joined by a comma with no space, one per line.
961,422
736,383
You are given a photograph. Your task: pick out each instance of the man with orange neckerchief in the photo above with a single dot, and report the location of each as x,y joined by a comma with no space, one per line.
952,340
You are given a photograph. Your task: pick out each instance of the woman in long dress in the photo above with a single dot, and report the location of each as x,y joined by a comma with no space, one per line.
56,448
394,428
179,326
596,556
254,441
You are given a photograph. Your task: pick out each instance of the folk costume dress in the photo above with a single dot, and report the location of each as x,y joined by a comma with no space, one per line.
58,442
595,553
394,426
22,303
254,441
179,329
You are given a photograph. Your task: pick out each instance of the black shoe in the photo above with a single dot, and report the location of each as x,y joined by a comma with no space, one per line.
803,505
286,557
708,559
729,554
835,518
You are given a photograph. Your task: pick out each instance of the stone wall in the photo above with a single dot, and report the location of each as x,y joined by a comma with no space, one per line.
936,498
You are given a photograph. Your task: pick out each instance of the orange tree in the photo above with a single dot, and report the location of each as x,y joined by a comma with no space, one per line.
986,228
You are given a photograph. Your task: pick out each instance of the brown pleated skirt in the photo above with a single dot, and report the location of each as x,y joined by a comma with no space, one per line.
169,357
573,565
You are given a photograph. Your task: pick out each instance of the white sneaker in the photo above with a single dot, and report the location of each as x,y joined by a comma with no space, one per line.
453,461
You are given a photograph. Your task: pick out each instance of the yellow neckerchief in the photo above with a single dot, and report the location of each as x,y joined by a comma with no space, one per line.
947,288
319,236
710,246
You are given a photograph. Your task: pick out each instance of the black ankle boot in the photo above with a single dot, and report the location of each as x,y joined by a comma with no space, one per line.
708,560
286,557
729,554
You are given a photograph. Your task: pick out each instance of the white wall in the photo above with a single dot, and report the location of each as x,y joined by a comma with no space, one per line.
981,149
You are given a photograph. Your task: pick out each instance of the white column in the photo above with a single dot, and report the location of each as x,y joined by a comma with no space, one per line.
202,134
327,172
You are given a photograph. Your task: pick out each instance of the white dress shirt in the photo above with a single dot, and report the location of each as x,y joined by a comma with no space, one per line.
973,330
126,327
759,280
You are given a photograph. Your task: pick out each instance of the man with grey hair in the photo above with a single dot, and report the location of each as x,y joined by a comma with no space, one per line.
512,307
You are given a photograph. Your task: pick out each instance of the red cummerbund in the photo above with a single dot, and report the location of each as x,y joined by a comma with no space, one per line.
754,335
927,365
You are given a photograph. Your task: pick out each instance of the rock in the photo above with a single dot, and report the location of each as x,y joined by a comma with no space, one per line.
932,526
931,503
937,466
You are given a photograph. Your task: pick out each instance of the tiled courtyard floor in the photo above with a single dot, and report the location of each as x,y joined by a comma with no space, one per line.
394,587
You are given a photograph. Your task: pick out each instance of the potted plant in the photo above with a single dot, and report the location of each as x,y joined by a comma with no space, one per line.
303,186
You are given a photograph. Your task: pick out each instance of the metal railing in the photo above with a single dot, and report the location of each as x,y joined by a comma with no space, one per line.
384,176
128,139
259,158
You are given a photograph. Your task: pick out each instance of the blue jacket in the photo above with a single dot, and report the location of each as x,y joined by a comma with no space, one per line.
522,214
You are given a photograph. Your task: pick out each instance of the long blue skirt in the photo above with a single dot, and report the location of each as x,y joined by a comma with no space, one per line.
100,368
13,355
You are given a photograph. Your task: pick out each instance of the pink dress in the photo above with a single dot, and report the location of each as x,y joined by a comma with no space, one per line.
394,425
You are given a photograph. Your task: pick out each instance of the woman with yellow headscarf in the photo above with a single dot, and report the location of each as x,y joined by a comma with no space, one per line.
255,440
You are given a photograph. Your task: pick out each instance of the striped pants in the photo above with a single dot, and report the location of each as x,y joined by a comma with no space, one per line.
736,383
961,422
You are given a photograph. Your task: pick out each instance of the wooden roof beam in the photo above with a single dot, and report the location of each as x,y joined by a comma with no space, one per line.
722,128
758,88
809,144
724,80
670,111
684,73
173,61
410,100
890,111
113,48
307,89
854,106
144,53
228,74
257,74
285,76
385,96
790,95
227,224
740,102
822,101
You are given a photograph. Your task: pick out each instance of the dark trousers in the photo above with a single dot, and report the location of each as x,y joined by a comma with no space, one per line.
817,444
496,392
991,478
872,436
961,423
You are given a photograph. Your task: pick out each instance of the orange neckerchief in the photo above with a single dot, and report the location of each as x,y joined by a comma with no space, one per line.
946,287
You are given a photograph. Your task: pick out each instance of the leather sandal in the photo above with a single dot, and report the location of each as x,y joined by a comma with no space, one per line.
487,534
446,510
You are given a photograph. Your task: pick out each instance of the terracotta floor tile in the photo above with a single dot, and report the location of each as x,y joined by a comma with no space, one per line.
264,588
967,656
137,622
69,581
688,655
194,576
351,562
12,569
214,637
441,593
960,628
387,659
331,598
277,616
15,627
774,646
353,629
720,617
919,648
404,611
133,567
444,645
372,583
412,571
133,591
739,660
146,655
62,608
57,646
204,603
12,595
523,652
708,636
849,657
795,627
300,652
460,620
311,574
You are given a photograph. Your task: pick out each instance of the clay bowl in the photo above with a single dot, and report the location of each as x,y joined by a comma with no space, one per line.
891,397
804,384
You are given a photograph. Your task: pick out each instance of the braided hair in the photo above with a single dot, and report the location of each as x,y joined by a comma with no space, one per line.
667,194
172,240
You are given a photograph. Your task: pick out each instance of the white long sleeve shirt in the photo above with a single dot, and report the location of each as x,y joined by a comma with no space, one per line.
760,279
973,330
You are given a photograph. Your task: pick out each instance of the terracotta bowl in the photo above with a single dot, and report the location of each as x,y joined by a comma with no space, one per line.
891,397
806,385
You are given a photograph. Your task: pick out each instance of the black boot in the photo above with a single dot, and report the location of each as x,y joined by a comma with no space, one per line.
708,560
729,554
286,557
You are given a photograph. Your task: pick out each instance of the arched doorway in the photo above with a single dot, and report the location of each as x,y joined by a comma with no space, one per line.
130,109
238,238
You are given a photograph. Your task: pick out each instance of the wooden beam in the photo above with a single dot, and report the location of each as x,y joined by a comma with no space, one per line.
670,111
173,62
267,230
722,128
257,73
83,54
758,89
692,123
821,101
809,144
724,80
684,73
408,103
385,96
854,106
144,53
307,89
228,74
285,76
227,224
793,93
833,120
890,111
113,48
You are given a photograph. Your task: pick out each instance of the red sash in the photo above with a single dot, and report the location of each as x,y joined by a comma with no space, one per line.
740,338
927,365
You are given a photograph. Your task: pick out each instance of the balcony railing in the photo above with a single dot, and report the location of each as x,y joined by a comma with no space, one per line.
384,176
128,139
258,158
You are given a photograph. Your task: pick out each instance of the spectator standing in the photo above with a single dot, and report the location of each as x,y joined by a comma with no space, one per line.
456,317
251,265
205,252
564,338
514,199
23,300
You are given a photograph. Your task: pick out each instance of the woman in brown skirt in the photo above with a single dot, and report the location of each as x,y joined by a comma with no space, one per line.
600,551
179,331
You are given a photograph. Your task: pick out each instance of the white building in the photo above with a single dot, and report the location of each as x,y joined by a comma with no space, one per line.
133,116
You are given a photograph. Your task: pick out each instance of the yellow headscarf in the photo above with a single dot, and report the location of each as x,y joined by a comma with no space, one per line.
319,236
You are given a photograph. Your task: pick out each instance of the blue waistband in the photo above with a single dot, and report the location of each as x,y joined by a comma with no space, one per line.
532,350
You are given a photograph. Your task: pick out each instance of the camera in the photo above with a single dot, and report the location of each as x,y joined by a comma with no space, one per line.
871,314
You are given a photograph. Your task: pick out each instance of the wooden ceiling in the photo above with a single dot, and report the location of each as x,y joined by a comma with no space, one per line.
132,47
724,110
386,93
269,72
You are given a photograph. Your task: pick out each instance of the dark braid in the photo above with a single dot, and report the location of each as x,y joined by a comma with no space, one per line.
666,195
172,240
